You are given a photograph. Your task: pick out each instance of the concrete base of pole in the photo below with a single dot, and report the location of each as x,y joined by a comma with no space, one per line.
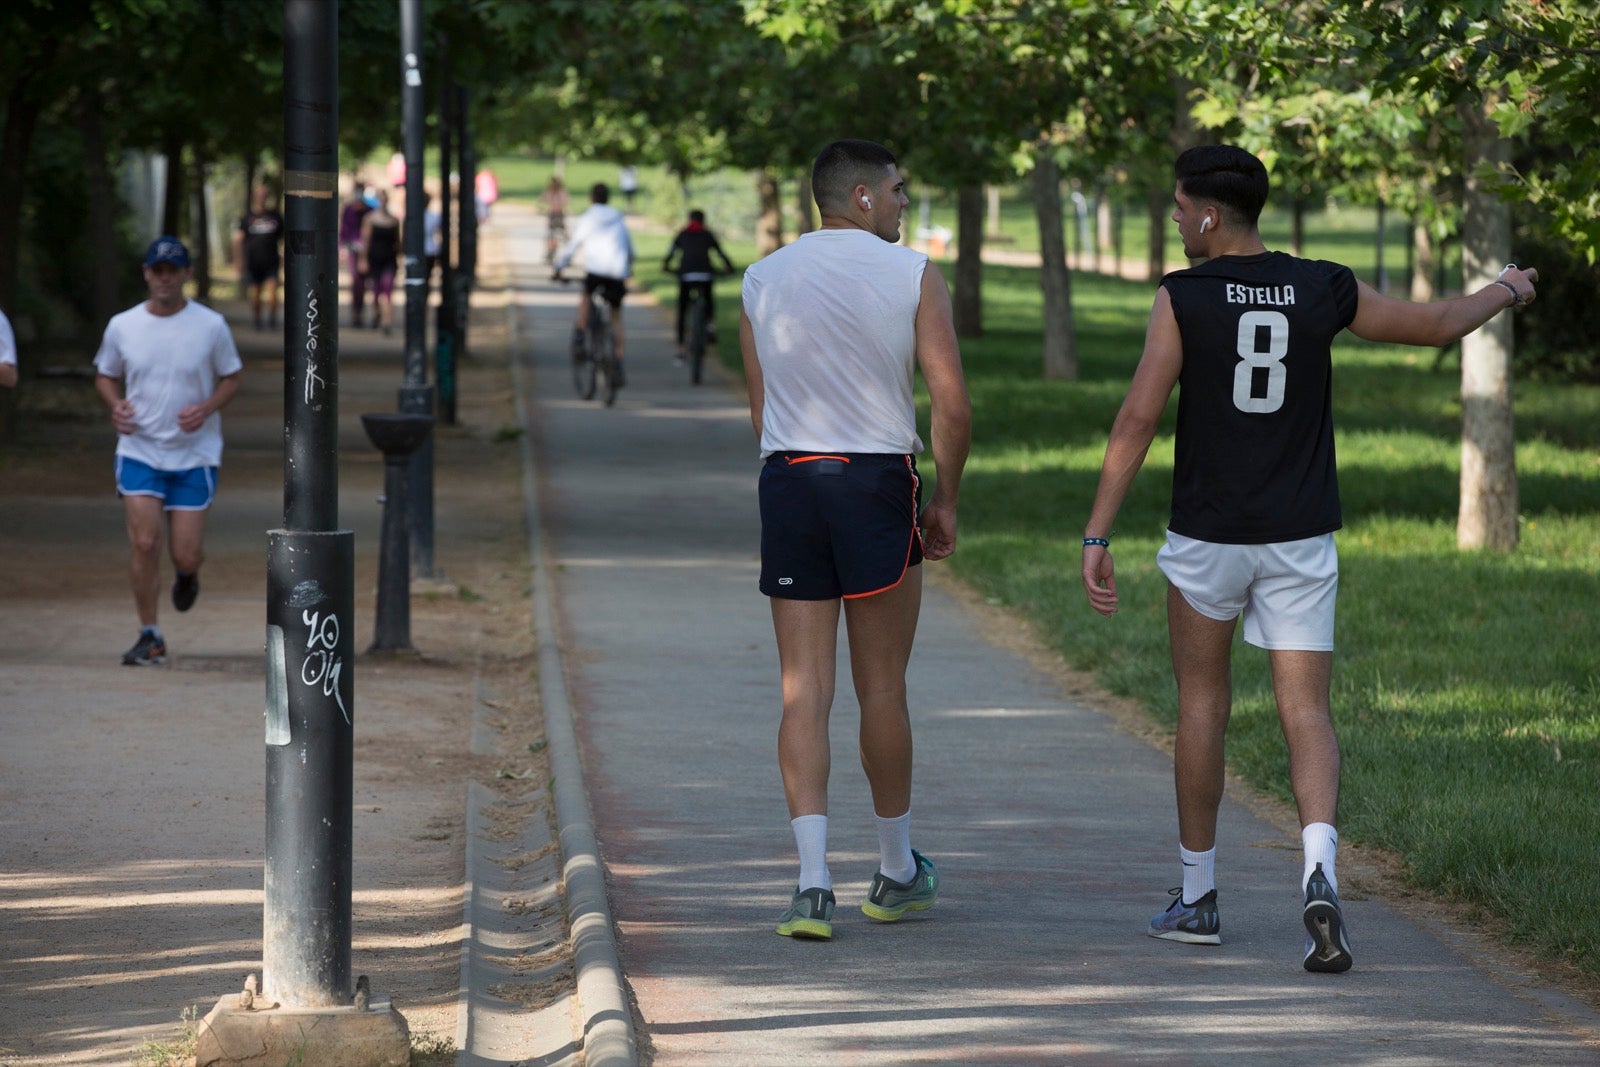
233,1035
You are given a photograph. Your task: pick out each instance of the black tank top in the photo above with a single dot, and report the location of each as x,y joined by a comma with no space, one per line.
383,246
1254,462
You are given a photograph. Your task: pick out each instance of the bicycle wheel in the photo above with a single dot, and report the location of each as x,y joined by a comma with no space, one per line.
584,364
605,353
697,336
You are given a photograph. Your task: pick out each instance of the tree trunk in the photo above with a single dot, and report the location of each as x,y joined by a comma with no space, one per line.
174,205
202,230
1156,202
1102,227
1297,227
769,225
1380,274
1118,216
16,141
1422,261
804,219
101,214
1488,515
968,295
1055,281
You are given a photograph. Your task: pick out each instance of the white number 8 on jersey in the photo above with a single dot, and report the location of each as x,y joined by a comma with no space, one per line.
1251,358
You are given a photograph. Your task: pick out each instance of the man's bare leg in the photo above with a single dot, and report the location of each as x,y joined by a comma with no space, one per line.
807,632
882,628
1200,663
144,519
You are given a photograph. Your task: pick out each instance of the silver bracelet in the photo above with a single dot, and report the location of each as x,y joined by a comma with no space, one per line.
1516,297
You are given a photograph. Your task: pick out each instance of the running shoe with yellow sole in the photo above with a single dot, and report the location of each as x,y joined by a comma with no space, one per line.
809,915
889,900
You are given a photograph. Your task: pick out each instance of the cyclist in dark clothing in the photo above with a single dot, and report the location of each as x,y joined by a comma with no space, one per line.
694,245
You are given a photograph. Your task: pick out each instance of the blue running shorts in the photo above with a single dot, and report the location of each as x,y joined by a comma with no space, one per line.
838,524
186,490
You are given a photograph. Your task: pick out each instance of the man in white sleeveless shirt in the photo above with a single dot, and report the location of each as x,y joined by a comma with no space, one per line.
833,328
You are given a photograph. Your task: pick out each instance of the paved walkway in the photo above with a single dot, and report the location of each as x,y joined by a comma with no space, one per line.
1053,828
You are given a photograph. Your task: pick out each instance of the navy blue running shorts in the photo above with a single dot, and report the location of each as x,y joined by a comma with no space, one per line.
838,524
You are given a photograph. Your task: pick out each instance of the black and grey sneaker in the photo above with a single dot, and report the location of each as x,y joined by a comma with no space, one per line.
148,651
185,588
809,915
1327,943
1193,924
888,900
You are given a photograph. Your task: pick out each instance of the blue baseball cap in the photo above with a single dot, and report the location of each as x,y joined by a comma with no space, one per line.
167,250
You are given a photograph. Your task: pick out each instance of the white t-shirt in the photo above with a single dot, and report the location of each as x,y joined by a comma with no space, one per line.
834,316
8,341
168,362
603,235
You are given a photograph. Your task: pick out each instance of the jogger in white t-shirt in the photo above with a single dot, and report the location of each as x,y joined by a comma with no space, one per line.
165,368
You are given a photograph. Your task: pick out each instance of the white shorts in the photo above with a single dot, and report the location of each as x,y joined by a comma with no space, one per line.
1285,590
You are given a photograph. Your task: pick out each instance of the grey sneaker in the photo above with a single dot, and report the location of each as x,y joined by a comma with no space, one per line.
1193,924
148,651
889,900
809,915
1327,946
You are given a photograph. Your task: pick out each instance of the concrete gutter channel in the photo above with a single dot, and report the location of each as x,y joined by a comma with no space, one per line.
593,1026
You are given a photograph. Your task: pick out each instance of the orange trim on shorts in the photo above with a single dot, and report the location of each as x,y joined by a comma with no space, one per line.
916,533
792,460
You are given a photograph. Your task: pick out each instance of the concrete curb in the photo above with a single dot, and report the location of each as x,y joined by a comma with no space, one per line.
608,1039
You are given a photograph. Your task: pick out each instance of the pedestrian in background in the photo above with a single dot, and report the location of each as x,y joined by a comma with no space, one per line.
355,210
165,368
833,328
380,259
8,353
258,255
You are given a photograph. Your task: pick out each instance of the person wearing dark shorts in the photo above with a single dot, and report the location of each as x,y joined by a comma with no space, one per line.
1255,502
832,331
257,255
601,233
838,526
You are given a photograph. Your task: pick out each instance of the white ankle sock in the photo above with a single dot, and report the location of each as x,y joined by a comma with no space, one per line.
1321,842
894,847
1199,872
811,839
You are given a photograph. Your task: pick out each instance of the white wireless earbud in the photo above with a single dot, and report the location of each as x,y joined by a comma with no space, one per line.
1205,224
866,202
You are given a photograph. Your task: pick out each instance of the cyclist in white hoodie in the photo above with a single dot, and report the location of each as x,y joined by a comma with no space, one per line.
607,260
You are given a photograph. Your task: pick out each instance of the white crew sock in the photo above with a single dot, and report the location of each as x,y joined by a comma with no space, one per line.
1199,872
894,847
811,839
1321,842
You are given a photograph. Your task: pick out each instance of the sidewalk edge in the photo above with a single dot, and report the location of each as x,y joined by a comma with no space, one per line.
608,1039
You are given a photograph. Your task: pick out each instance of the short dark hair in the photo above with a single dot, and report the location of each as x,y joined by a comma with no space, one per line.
1226,175
842,166
600,192
697,215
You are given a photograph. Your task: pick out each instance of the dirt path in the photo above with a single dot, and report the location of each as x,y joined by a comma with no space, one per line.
131,847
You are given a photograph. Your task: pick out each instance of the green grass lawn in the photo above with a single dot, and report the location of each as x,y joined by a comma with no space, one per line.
1466,688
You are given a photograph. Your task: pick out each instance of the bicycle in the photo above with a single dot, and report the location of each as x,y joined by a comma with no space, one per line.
698,329
594,364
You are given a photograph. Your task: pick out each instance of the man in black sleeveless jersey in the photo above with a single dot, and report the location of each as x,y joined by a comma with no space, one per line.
1255,501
